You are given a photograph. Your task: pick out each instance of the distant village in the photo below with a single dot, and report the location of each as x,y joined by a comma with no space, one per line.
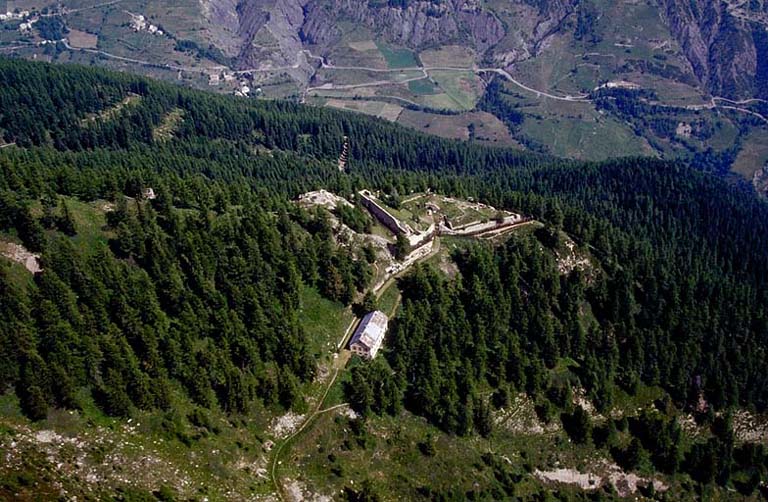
28,19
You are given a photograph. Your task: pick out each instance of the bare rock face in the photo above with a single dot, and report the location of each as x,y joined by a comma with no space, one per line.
420,24
223,25
718,44
550,16
725,42
760,181
260,33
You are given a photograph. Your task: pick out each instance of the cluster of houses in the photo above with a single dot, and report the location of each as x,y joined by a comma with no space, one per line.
243,89
14,16
216,78
140,23
23,15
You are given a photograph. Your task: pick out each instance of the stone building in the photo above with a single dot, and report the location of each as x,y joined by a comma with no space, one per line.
369,335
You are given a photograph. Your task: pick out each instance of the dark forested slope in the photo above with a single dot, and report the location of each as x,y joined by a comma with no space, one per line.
196,291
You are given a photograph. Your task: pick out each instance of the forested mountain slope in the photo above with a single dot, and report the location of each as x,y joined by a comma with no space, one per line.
194,300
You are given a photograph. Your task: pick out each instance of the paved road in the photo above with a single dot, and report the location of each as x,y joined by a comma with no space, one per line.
305,54
504,73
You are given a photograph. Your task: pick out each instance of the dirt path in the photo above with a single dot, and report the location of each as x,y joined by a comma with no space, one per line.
340,362
744,110
65,11
582,98
579,98
496,232
740,102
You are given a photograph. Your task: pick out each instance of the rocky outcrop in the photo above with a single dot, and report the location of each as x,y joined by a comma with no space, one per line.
270,31
718,45
760,181
222,25
259,33
420,24
551,15
725,43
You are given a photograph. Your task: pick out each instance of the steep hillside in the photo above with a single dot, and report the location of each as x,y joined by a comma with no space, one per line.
438,66
182,335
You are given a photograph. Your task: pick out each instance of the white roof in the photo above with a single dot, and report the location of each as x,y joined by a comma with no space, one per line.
371,330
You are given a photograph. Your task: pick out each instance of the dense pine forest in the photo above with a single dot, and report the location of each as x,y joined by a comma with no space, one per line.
196,291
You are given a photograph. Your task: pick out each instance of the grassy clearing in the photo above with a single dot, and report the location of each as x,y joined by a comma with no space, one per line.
449,55
380,230
90,456
753,154
461,87
324,321
582,140
423,87
331,456
488,128
379,109
398,57
577,130
389,299
459,212
404,458
363,45
726,134
17,274
168,126
90,222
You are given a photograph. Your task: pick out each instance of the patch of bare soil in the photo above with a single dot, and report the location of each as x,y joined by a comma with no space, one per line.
82,40
625,484
285,425
749,427
297,492
322,198
586,481
20,254
519,417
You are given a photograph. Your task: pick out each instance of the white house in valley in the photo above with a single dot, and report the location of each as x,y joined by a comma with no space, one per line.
369,335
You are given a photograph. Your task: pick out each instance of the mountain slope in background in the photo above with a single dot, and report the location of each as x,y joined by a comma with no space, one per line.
589,79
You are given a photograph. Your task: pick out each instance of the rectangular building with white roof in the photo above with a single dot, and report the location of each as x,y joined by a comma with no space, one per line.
369,335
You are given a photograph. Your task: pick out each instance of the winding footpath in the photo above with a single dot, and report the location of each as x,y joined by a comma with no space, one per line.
340,362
